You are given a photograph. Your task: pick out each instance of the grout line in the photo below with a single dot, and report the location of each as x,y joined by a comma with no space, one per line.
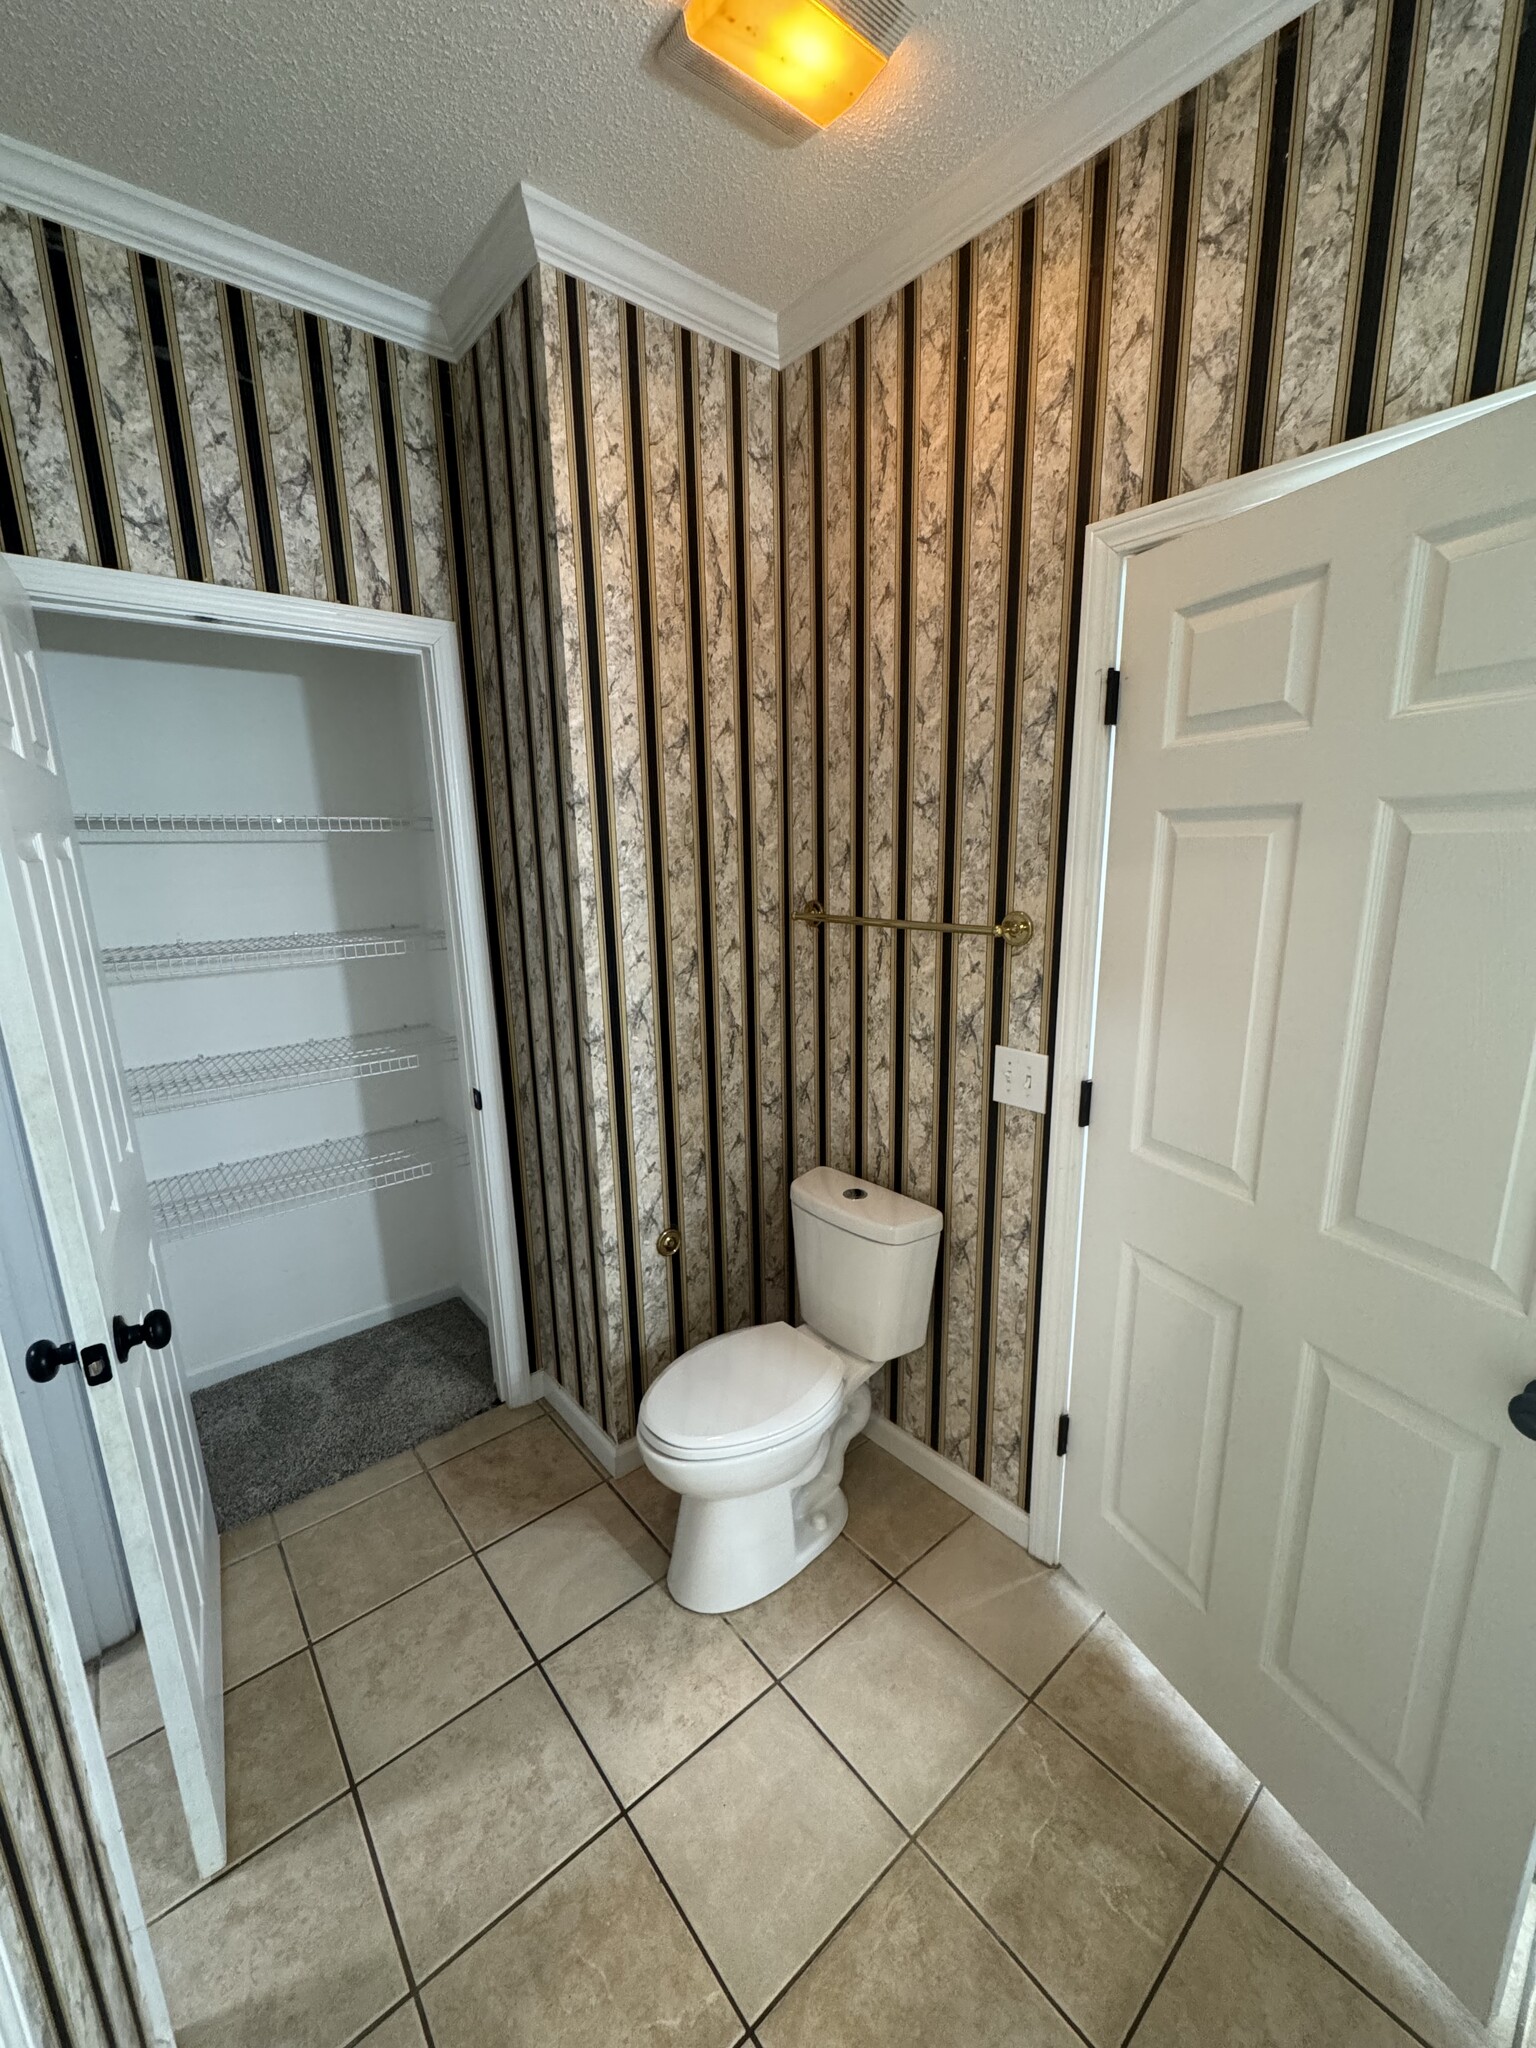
1212,1855
437,1572
1332,1961
1221,1870
282,1535
406,2004
776,1681
1061,1662
822,1946
677,1907
205,1884
328,1635
422,1469
1242,1819
437,1970
1183,1934
362,1819
1007,1948
612,1790
883,1804
806,1655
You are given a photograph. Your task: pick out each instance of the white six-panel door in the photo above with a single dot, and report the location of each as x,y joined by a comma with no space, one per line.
63,1055
1308,1247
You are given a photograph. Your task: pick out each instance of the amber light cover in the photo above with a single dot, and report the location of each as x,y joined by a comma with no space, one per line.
798,50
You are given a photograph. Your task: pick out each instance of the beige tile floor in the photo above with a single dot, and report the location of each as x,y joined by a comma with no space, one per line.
488,1785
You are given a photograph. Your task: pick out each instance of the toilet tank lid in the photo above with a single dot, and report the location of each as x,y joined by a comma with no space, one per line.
862,1209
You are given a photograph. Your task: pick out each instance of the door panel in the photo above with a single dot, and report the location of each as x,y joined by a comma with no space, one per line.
1449,932
1387,1571
63,1052
1309,1228
1175,1354
1472,613
1222,884
1246,661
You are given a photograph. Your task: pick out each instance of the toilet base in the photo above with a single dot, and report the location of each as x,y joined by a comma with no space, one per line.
729,1552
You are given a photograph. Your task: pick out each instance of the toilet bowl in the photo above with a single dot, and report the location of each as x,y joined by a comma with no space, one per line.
750,1429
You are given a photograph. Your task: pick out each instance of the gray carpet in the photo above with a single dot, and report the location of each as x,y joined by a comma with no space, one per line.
273,1435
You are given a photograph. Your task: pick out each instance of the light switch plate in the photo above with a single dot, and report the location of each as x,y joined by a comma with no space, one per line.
1020,1078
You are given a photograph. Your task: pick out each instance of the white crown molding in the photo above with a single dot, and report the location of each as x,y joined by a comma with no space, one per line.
617,263
50,185
503,254
1178,52
532,227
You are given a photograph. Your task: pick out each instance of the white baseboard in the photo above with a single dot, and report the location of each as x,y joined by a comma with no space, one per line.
195,1378
951,1479
615,1459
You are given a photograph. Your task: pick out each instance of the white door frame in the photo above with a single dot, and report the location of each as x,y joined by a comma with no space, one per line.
81,591
1110,546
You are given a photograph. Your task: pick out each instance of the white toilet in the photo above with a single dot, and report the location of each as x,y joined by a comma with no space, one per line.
750,1428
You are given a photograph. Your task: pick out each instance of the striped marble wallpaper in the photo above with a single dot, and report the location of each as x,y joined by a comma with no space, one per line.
61,1926
746,639
153,419
738,639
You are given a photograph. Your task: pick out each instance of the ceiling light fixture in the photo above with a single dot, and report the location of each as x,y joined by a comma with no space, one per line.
815,58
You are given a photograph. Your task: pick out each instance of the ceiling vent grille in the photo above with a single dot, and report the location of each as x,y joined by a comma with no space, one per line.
704,77
881,22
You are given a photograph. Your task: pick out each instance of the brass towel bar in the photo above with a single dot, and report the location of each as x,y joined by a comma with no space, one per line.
1016,929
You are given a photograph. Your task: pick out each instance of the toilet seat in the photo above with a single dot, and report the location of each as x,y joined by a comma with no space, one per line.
745,1391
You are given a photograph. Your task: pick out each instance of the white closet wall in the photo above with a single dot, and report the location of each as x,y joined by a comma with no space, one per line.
183,751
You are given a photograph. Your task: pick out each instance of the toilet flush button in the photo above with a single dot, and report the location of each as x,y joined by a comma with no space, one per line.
1020,1078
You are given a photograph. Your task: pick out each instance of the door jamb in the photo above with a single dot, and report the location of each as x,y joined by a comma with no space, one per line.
1111,543
89,592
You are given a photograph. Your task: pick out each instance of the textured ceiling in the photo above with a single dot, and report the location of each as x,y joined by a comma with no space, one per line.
383,134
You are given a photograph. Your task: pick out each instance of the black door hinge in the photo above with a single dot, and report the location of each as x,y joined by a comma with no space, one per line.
479,1100
1063,1431
1111,696
1084,1104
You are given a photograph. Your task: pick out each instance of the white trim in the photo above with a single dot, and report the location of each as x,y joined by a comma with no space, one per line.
531,226
1179,51
39,182
15,2026
960,1485
123,594
1110,546
615,1459
502,256
617,263
195,1378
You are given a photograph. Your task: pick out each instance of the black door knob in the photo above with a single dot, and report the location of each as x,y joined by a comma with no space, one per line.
155,1331
45,1357
1522,1410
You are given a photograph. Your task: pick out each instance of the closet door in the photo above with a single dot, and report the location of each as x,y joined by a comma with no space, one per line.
63,1055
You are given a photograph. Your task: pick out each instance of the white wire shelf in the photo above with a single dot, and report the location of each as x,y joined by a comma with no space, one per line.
146,829
179,957
265,1070
185,1203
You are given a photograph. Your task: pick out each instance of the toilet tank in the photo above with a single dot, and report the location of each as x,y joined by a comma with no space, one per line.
865,1259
